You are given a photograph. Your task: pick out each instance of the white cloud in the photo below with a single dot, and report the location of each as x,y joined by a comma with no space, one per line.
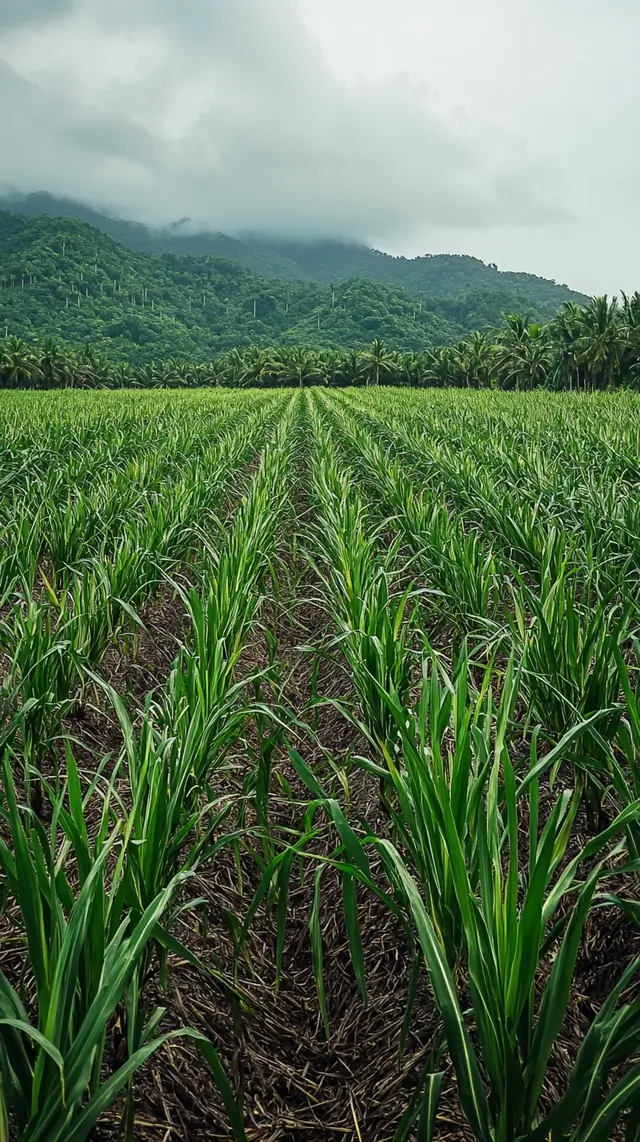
414,125
561,73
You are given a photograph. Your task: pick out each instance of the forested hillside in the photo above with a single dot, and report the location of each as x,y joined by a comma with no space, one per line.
142,294
65,278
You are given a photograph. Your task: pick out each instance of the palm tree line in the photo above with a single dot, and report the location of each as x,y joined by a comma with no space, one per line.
586,348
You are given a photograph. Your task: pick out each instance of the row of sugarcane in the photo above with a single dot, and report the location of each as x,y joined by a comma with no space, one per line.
480,860
483,601
97,859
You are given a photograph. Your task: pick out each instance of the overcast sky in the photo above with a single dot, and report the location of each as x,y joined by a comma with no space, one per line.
499,128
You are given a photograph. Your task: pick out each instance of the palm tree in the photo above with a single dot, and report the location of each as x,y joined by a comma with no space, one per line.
565,337
92,369
164,375
422,375
301,367
328,364
177,374
19,365
443,368
511,351
54,363
232,368
630,314
630,317
350,368
148,376
379,360
123,377
407,368
258,367
479,361
524,357
208,373
601,342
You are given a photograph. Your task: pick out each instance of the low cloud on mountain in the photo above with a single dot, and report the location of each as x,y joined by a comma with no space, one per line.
495,129
230,115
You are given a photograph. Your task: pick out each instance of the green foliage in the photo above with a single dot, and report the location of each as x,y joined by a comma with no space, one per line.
106,315
96,905
178,299
471,562
51,1066
63,278
360,588
520,357
484,879
468,287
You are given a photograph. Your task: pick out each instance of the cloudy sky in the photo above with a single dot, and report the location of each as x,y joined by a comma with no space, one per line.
492,127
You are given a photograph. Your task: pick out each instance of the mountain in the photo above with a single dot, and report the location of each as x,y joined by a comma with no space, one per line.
438,275
61,277
142,294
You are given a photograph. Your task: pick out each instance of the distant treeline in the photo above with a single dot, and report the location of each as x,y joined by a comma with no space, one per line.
586,348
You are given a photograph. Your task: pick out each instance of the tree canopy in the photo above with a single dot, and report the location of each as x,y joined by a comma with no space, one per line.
587,349
63,277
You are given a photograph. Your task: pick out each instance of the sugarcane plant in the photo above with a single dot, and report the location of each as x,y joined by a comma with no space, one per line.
491,920
54,1022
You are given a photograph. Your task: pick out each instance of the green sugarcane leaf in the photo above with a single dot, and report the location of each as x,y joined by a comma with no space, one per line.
429,1108
354,935
108,1092
470,1086
317,950
36,1036
555,998
625,1095
305,774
